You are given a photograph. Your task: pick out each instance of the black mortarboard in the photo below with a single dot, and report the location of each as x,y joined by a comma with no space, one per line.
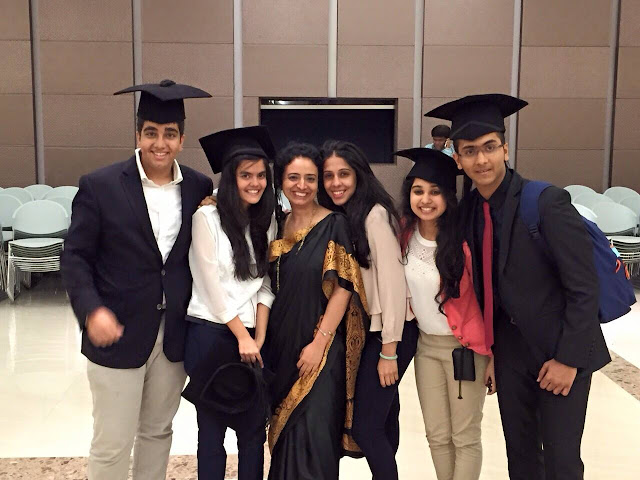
441,131
252,142
432,166
228,387
476,115
163,102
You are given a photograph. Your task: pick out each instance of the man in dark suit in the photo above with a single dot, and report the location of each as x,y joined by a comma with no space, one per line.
125,267
541,304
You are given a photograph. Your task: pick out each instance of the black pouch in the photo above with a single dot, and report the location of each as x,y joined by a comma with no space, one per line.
463,366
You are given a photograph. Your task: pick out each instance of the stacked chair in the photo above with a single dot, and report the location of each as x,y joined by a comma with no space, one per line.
39,228
617,214
3,266
629,249
32,235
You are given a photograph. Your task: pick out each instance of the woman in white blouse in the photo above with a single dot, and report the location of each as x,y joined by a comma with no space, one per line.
231,294
351,187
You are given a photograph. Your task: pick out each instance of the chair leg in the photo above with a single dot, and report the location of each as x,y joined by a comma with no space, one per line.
17,283
11,279
26,279
3,269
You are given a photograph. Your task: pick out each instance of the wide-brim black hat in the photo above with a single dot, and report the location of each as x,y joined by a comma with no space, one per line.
250,142
163,102
476,115
432,165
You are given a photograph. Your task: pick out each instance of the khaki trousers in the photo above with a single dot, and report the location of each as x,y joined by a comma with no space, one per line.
134,404
452,425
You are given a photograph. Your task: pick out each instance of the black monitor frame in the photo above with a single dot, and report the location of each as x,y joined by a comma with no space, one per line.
380,107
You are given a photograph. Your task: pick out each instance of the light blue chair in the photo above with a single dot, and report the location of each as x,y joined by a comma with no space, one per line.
615,219
66,203
8,205
20,193
633,203
64,191
575,190
586,212
591,199
38,190
617,194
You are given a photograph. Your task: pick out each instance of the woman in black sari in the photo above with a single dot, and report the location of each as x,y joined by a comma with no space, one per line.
316,330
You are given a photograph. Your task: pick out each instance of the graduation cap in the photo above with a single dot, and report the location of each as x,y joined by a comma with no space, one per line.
163,102
250,142
432,166
476,115
228,387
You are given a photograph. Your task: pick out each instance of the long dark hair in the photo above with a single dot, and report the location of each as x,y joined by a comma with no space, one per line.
235,219
449,254
369,191
284,157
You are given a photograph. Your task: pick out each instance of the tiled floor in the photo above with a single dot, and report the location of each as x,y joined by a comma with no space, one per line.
45,403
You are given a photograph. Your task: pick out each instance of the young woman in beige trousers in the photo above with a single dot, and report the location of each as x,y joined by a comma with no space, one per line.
438,272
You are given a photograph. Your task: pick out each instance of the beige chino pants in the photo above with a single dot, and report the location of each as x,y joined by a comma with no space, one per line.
453,426
134,404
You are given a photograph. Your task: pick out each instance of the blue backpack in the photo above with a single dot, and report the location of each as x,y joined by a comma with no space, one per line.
616,292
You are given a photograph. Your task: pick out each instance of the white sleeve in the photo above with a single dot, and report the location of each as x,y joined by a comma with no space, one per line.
265,295
204,269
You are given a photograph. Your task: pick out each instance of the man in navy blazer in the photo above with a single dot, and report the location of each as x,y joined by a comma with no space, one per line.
125,267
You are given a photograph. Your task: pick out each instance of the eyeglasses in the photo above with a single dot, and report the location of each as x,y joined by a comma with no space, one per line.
488,149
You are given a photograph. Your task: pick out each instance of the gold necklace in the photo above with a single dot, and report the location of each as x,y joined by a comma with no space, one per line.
309,227
313,214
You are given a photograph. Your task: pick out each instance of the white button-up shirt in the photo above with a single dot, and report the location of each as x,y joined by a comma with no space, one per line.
217,295
164,204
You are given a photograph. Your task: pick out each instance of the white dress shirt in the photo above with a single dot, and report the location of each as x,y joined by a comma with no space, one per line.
423,280
164,204
217,295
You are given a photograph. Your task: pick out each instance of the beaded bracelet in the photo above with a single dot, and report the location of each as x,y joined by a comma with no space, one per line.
386,357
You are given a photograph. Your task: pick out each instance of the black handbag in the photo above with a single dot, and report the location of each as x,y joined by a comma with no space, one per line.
463,366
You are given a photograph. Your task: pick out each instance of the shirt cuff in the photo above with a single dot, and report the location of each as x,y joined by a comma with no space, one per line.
388,337
266,299
226,316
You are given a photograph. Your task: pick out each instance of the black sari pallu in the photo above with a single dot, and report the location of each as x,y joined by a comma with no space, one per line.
311,419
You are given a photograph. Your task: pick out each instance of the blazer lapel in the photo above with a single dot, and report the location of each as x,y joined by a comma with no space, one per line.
509,212
133,189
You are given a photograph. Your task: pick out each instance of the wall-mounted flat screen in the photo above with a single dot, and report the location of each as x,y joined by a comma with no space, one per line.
369,123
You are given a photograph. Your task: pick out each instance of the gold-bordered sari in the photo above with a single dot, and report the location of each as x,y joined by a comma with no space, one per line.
304,271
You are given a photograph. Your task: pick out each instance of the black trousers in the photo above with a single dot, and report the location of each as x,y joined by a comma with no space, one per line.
543,431
376,428
249,426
